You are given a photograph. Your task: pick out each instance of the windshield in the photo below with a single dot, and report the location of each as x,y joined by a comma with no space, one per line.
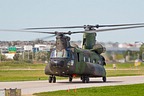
63,53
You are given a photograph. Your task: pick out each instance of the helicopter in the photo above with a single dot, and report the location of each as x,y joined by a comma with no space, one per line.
70,61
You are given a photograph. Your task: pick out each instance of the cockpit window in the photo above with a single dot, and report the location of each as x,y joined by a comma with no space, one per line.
63,53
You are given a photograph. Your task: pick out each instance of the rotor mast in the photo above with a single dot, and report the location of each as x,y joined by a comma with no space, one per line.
89,39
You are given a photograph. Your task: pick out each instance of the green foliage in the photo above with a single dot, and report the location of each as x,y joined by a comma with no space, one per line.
42,56
3,57
142,48
133,54
119,56
142,52
122,90
27,56
109,56
114,56
17,57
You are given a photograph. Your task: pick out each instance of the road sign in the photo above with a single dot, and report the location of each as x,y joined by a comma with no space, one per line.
12,49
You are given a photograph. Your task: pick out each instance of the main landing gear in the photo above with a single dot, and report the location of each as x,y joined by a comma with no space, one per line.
104,79
52,78
85,79
70,78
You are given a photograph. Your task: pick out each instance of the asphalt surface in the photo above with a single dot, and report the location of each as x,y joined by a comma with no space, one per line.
30,87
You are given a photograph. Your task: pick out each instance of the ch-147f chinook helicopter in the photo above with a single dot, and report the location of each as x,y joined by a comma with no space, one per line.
70,61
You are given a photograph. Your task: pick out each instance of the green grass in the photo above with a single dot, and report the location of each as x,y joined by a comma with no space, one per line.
17,65
123,66
22,75
111,73
126,69
122,90
20,71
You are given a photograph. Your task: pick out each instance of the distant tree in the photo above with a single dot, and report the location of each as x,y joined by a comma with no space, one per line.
109,57
41,56
131,54
119,56
17,57
28,56
39,41
3,57
141,52
48,56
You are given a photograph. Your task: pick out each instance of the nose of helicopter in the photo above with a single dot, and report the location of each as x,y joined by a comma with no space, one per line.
59,67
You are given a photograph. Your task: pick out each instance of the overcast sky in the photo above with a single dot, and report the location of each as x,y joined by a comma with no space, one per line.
17,14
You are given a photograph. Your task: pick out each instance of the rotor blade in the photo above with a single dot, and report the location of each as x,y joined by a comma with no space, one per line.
108,29
96,26
68,27
117,25
120,28
56,33
69,33
91,31
6,30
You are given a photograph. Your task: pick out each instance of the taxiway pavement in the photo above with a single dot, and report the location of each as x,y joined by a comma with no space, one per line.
30,87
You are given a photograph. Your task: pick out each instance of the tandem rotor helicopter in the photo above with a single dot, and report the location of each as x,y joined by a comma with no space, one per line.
71,61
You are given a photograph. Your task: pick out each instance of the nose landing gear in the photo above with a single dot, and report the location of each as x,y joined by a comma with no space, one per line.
52,78
104,79
70,78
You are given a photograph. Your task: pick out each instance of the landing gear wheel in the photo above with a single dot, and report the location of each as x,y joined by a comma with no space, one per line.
52,79
70,79
104,79
85,79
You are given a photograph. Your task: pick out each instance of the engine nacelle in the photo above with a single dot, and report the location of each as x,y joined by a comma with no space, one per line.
98,48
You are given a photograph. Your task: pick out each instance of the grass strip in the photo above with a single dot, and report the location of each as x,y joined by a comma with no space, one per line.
122,90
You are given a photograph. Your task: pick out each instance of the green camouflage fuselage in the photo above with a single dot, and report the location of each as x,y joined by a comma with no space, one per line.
79,62
66,60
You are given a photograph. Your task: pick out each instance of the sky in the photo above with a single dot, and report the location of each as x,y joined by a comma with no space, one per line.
19,14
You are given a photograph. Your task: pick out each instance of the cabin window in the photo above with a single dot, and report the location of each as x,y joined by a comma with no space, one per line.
84,41
99,62
63,53
72,55
89,60
84,59
94,61
78,57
